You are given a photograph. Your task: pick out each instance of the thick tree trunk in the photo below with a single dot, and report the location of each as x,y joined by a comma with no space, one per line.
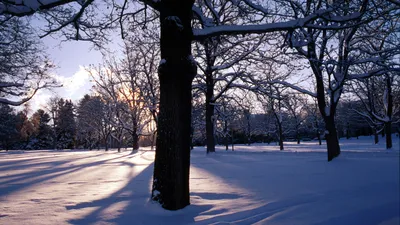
176,72
210,112
331,136
389,112
135,141
388,131
191,137
153,140
210,127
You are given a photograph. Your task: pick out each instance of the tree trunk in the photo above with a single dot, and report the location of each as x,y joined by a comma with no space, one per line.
153,140
248,129
318,134
298,137
280,130
135,141
191,137
319,138
210,126
376,137
389,112
331,136
226,138
119,144
388,131
232,140
176,72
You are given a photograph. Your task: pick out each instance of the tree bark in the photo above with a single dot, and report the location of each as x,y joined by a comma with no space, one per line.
376,137
331,136
280,131
176,72
135,141
248,129
297,136
153,139
106,142
388,131
280,136
319,138
232,140
226,138
210,125
388,124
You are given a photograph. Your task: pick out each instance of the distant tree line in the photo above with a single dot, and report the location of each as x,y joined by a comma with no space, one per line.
294,117
64,125
54,129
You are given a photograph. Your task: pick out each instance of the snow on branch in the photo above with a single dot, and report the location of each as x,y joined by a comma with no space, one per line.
200,34
376,72
10,84
294,87
24,8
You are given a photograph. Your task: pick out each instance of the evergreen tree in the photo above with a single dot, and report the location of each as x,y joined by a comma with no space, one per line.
24,128
65,124
43,132
8,131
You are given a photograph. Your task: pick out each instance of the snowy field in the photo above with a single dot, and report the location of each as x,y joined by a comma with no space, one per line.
252,185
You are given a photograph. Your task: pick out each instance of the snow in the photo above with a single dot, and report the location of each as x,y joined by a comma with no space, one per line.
259,28
255,184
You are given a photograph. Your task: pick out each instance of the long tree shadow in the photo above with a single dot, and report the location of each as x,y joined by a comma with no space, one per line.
133,195
243,171
261,213
138,209
45,160
54,169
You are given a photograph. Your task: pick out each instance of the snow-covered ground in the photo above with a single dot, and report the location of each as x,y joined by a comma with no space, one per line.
252,185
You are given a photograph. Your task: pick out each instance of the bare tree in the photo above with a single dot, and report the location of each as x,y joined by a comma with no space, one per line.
333,54
24,69
226,113
87,116
294,106
132,87
376,95
313,118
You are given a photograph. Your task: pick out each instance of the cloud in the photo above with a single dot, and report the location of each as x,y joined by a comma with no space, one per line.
74,88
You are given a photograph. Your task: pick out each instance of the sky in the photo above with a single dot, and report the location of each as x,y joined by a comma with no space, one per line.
71,58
